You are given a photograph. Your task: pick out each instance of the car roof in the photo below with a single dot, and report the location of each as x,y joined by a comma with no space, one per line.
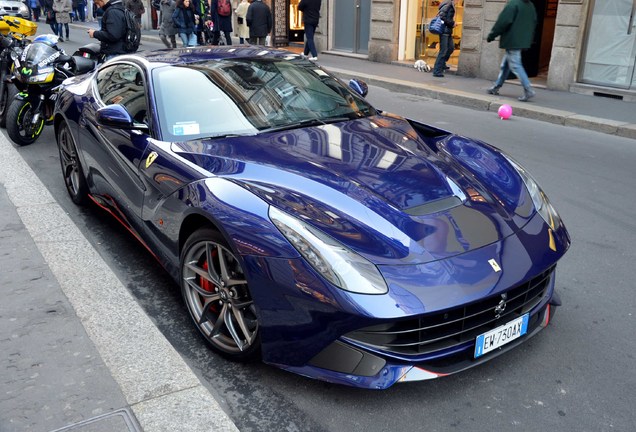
204,53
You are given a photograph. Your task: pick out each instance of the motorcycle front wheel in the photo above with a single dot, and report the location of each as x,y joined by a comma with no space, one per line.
20,125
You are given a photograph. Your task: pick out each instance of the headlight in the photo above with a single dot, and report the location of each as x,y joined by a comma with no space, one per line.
539,198
42,78
24,10
338,264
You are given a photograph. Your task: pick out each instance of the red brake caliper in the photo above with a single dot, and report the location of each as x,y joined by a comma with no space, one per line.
206,284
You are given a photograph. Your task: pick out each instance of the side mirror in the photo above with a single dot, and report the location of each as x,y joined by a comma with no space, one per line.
116,116
359,87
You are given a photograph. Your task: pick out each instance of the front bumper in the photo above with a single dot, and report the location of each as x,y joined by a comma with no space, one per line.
307,324
389,372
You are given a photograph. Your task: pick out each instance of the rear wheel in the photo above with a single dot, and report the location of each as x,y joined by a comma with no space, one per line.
218,299
6,96
20,125
71,166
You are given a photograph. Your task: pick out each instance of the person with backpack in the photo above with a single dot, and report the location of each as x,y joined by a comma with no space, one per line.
137,8
220,13
186,20
113,32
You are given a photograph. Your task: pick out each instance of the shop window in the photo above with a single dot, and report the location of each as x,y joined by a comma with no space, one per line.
427,44
296,26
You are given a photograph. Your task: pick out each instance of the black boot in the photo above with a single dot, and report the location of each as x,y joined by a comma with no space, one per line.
494,90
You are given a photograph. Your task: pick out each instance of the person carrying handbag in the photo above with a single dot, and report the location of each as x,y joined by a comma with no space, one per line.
446,45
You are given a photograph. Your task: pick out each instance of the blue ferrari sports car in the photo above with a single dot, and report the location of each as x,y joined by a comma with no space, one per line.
304,226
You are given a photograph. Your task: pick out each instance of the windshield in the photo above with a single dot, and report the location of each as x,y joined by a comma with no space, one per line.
37,52
244,96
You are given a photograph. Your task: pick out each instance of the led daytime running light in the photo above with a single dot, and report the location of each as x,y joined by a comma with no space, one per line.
338,264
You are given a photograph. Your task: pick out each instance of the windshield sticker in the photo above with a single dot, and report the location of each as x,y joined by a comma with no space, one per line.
185,128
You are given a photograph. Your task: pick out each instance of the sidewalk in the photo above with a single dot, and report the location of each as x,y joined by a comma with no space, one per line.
80,355
601,114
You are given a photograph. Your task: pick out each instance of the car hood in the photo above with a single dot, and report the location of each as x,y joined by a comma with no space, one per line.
389,188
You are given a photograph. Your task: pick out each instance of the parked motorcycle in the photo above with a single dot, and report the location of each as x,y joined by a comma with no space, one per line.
38,72
13,38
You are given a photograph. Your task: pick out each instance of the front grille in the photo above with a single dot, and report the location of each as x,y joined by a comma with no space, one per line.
454,327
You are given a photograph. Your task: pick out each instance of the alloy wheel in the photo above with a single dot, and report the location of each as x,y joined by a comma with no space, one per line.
217,296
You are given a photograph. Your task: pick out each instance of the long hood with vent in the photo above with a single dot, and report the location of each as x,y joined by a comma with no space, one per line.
384,186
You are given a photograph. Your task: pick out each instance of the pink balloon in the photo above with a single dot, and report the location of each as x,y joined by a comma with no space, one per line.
505,111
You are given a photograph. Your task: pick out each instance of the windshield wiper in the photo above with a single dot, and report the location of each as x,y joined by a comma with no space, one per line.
295,125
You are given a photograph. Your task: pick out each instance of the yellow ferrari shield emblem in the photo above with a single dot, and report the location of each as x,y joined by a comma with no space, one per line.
151,158
494,265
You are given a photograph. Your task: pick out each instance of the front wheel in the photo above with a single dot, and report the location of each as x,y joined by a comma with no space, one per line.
24,124
218,298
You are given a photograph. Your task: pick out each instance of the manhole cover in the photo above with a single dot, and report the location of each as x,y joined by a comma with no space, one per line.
117,421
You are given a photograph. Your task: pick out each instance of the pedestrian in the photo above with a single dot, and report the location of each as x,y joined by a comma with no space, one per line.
34,5
311,16
75,16
186,21
90,17
516,25
50,15
259,20
98,14
242,29
113,28
137,8
62,10
220,13
446,12
167,30
79,7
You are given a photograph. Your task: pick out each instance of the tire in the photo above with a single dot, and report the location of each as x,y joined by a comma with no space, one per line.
217,296
10,90
19,126
72,172
8,93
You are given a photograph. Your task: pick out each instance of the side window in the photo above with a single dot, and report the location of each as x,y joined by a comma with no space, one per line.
123,84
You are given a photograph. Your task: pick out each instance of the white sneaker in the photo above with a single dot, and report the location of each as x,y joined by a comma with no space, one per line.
313,58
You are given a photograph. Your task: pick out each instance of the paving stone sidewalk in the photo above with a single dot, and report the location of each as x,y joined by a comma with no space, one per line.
52,375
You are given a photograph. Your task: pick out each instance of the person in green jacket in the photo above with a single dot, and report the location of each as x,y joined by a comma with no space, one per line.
516,25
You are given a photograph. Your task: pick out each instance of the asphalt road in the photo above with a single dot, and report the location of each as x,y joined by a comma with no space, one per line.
578,374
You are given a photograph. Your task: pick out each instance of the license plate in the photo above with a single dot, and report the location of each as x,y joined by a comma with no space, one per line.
500,336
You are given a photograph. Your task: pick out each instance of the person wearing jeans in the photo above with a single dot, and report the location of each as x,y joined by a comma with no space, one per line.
185,20
446,43
516,25
311,16
512,62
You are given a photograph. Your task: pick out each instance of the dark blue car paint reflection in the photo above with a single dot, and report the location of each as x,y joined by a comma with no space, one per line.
447,221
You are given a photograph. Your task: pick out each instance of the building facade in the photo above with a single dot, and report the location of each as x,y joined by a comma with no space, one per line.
586,46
